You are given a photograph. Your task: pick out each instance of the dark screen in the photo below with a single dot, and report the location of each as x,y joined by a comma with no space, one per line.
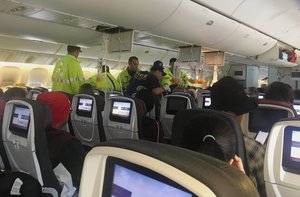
175,104
238,73
262,119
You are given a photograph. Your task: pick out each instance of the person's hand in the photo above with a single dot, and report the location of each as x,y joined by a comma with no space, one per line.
237,163
176,81
167,88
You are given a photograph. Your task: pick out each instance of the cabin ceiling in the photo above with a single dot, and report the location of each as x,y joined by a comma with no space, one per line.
161,26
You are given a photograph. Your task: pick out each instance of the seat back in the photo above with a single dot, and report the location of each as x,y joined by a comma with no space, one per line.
32,94
203,99
86,118
264,117
192,125
282,159
4,163
112,94
144,168
25,142
170,105
122,117
296,106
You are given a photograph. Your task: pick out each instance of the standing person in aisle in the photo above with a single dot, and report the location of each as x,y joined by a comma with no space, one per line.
67,75
125,76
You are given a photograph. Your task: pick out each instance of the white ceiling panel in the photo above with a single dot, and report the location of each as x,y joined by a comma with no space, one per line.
246,41
226,7
196,24
136,14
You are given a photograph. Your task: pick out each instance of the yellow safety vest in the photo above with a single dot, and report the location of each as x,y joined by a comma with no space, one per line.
67,75
166,80
105,82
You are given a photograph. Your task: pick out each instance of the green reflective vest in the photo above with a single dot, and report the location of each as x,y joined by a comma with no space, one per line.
67,75
166,80
105,82
124,78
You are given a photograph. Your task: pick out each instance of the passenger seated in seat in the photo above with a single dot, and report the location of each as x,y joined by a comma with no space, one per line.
86,88
30,187
14,93
63,147
280,91
228,96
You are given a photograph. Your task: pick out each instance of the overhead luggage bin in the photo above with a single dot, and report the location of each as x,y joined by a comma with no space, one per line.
247,41
263,15
46,31
196,24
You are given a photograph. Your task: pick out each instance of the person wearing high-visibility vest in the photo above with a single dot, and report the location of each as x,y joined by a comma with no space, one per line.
180,80
67,75
105,81
125,76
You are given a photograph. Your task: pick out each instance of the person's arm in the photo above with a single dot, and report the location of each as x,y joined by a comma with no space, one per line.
158,90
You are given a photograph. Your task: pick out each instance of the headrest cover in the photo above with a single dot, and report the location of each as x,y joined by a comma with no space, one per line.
59,105
228,95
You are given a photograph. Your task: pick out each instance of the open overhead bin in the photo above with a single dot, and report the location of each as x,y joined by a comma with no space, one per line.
280,55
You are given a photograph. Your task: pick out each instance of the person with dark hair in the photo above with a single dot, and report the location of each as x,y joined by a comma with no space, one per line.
169,79
14,93
147,80
228,96
125,76
19,184
105,81
67,75
280,91
211,147
63,147
86,88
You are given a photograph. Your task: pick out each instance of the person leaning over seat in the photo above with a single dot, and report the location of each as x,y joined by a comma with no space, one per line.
169,79
67,75
147,80
125,76
105,81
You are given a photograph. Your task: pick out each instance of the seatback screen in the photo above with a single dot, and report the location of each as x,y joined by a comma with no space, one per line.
120,111
85,107
19,122
263,119
34,95
206,102
297,108
175,104
291,150
124,179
